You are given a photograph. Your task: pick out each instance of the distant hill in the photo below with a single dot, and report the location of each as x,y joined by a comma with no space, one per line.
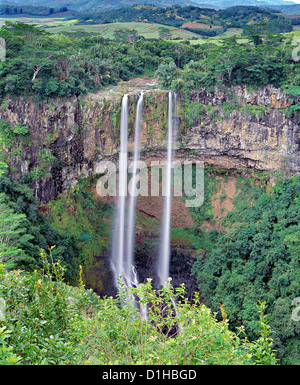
31,10
295,8
221,4
102,5
97,5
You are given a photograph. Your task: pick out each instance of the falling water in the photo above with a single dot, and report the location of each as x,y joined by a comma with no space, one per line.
164,250
124,221
118,247
130,236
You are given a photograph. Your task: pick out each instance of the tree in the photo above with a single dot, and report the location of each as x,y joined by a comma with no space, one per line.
26,32
124,36
65,62
164,33
257,33
166,74
36,58
12,233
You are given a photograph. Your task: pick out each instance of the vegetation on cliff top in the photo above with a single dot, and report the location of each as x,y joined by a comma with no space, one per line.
49,65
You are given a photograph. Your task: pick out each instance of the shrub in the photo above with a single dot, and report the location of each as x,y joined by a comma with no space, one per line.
49,322
167,329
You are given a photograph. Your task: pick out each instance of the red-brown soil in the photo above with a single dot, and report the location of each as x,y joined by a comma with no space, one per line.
199,26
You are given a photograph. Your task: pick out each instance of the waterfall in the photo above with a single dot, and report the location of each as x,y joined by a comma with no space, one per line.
130,237
122,259
124,221
118,246
164,249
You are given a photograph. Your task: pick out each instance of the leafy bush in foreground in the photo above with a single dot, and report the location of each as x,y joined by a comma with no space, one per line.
45,321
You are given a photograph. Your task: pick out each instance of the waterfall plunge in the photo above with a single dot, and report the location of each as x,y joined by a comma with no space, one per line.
129,270
124,221
118,246
165,239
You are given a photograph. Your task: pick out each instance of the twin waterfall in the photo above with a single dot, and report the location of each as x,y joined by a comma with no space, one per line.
122,258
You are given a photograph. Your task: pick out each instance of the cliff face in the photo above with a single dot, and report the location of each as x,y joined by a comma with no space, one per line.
256,135
239,129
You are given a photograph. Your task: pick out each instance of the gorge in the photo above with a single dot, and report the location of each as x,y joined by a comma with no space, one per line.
150,188
245,138
255,136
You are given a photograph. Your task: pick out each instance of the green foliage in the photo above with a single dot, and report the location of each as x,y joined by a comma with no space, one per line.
263,353
46,322
125,36
7,357
190,112
40,313
49,65
234,64
10,133
257,259
250,110
165,74
11,233
204,212
87,225
176,16
45,161
294,108
152,341
26,230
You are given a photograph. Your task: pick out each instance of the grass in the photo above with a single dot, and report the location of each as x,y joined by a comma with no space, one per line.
295,34
40,21
214,40
232,32
148,30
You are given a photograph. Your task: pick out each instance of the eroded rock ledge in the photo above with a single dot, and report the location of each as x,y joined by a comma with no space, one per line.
229,129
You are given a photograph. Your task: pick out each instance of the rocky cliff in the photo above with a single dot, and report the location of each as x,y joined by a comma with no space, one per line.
229,129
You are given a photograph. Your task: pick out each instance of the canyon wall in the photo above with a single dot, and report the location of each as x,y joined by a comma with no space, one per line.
229,129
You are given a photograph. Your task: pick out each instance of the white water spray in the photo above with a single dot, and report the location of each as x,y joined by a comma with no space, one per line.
164,249
130,235
118,247
122,259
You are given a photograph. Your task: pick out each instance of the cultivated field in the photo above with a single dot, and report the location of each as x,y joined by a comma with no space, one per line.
148,30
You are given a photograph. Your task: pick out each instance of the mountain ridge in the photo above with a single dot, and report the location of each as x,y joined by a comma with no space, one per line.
98,5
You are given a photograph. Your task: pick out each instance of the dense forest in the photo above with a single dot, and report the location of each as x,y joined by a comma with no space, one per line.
50,65
248,275
10,10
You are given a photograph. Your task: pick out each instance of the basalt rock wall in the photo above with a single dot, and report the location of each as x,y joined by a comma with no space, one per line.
229,129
